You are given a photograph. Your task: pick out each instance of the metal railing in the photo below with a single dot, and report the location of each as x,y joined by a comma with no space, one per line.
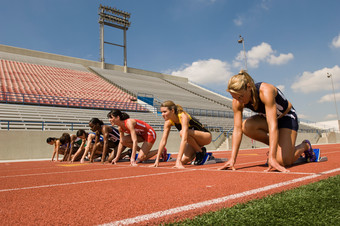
54,125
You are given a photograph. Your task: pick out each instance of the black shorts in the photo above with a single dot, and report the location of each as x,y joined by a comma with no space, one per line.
290,121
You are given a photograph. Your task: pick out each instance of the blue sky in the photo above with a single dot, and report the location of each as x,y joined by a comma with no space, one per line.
290,44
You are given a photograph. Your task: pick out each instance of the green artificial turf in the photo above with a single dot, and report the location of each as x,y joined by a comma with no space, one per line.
313,204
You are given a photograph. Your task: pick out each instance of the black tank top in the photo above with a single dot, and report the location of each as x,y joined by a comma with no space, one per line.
193,124
280,99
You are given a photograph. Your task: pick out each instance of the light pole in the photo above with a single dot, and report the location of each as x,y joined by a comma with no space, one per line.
114,18
241,40
336,108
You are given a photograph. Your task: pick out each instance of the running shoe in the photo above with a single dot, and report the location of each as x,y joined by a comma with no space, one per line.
165,155
200,156
309,154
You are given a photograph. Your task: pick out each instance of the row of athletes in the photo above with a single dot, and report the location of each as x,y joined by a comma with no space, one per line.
275,124
111,143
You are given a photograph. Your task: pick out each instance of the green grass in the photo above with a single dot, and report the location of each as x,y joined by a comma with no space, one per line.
313,204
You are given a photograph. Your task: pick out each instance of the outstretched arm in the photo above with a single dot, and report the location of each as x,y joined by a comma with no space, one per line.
55,150
236,136
184,140
162,144
94,146
120,147
80,149
267,95
131,126
106,142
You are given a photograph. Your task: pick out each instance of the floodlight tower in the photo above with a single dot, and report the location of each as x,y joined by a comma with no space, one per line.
241,40
329,75
114,18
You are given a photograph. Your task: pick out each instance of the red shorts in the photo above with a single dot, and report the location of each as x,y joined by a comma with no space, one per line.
150,136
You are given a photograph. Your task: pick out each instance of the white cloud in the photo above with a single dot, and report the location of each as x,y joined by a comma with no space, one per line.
238,21
336,42
262,53
315,81
264,4
329,98
281,59
206,71
302,116
331,116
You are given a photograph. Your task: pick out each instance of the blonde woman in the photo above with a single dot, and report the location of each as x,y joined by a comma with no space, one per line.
193,135
276,123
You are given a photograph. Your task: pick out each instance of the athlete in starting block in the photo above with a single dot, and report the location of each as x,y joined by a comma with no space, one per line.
275,124
193,135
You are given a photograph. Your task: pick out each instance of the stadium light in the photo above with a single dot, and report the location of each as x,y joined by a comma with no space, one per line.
241,40
114,18
329,75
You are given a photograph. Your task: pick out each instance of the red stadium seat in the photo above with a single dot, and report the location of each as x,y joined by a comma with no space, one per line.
53,81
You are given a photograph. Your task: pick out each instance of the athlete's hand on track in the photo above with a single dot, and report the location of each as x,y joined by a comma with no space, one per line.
179,165
114,161
133,163
156,164
273,164
229,164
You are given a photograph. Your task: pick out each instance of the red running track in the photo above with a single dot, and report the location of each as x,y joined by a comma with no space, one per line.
46,193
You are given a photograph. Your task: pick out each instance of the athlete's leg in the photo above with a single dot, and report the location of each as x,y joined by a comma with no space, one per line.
88,147
256,127
285,154
145,153
197,139
97,149
288,153
113,153
188,155
127,141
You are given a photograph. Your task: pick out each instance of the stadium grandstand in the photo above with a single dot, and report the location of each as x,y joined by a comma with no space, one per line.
45,94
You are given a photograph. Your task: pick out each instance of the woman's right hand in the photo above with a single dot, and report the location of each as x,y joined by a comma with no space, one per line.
228,164
114,161
179,165
156,164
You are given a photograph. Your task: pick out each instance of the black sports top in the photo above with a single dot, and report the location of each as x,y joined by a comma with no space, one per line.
280,99
114,135
193,123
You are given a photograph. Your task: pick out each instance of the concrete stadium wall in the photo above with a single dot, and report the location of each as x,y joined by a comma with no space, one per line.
25,145
28,145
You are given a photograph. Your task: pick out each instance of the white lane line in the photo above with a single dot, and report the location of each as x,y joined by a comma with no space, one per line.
74,171
90,181
172,211
214,169
256,172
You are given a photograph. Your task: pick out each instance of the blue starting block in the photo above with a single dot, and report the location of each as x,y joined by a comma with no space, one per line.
167,158
206,157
